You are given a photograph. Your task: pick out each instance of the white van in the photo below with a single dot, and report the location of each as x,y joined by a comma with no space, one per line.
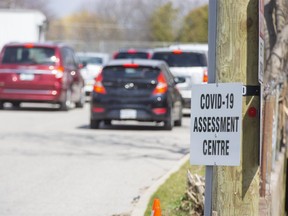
189,61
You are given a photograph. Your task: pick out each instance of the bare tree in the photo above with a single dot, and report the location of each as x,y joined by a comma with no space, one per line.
133,16
276,40
41,5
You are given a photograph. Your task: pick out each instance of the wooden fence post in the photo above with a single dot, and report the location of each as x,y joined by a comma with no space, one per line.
237,188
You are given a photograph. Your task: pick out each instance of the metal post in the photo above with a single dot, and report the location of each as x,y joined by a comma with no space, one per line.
208,191
212,30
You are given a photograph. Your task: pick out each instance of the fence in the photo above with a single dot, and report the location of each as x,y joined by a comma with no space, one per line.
274,133
111,46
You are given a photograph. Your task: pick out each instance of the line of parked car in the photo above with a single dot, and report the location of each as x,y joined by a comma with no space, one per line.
136,84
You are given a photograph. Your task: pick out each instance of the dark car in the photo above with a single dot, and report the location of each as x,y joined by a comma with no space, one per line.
133,53
40,72
136,89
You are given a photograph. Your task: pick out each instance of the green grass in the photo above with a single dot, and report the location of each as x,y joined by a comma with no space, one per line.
172,191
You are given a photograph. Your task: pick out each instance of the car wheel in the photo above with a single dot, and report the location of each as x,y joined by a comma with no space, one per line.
81,102
94,124
16,105
169,123
108,122
66,104
179,121
1,105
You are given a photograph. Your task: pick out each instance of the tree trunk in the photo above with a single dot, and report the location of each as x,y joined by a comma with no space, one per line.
275,70
277,35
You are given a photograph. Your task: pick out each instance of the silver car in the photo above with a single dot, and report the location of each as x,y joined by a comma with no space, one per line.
93,63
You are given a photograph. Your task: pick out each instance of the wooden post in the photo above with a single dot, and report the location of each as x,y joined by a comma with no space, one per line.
266,162
236,189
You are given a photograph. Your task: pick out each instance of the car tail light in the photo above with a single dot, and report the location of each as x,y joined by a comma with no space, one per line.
131,51
161,86
58,72
159,111
130,65
115,54
98,86
98,109
178,51
205,76
29,45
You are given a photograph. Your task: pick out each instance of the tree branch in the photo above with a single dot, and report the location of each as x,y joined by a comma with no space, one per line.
275,73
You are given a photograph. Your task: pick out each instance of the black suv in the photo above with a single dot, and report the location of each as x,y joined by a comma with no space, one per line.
136,89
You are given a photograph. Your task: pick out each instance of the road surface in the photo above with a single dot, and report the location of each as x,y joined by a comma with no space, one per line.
52,163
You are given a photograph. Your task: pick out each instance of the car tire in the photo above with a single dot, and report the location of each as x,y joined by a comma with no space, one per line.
169,123
94,124
1,105
81,102
66,104
178,122
108,122
16,105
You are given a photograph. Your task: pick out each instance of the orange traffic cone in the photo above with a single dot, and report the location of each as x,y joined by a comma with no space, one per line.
156,209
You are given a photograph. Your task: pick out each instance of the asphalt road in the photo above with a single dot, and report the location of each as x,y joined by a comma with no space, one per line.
53,164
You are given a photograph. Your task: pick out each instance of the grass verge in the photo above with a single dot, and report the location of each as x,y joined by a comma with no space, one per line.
172,191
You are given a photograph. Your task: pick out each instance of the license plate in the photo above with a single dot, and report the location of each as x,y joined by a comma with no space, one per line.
128,114
26,76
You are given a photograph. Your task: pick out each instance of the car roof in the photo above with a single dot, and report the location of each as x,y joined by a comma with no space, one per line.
93,54
105,56
196,47
142,62
134,50
42,44
184,47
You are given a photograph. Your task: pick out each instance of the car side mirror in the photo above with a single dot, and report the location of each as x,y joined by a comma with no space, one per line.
179,80
84,64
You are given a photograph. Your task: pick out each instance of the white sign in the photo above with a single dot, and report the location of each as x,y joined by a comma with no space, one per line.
216,124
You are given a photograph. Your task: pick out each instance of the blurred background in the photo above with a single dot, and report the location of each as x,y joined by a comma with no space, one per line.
106,26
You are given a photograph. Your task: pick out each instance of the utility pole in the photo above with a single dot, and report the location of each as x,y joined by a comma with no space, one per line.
236,189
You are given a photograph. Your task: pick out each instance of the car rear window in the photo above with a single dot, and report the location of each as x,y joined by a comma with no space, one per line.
183,59
34,55
124,55
91,60
120,72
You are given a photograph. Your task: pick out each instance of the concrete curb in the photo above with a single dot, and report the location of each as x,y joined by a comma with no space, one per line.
140,208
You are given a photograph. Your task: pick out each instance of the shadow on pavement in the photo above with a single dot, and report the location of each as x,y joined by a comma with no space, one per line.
127,126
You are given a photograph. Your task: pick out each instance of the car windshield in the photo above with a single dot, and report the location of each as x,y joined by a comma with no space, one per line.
91,60
126,55
119,73
34,55
183,59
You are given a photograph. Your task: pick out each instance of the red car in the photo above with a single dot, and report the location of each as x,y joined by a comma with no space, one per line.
40,72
